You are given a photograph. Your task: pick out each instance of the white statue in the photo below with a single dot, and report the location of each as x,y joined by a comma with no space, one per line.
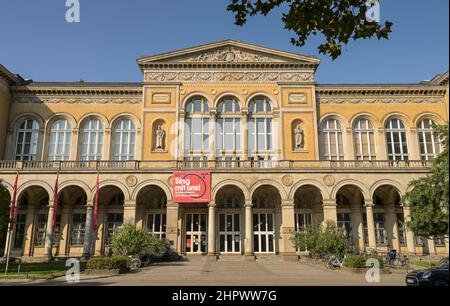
299,137
160,133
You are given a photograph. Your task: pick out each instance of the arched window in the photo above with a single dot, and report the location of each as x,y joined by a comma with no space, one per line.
124,140
196,128
92,143
228,129
363,133
428,140
397,145
60,140
260,128
332,146
27,140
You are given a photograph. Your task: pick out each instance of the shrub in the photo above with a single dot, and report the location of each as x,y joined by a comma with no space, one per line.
321,241
355,261
107,263
132,241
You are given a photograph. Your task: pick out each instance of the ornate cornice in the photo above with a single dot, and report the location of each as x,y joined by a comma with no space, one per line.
228,65
340,100
77,95
230,76
387,94
8,76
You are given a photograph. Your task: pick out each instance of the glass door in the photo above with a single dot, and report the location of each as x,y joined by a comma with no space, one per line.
263,233
195,233
229,233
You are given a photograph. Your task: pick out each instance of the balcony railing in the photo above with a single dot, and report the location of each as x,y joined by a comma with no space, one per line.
203,164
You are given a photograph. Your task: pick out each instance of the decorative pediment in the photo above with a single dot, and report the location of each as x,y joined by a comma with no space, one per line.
228,51
230,54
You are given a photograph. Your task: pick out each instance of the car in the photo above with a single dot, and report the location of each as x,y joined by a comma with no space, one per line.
436,276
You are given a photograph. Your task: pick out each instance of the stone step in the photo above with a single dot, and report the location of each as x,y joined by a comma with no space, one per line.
231,258
269,258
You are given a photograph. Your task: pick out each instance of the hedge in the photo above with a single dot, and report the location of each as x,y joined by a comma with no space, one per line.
355,261
107,263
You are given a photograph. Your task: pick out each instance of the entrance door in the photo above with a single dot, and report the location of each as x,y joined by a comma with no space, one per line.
263,233
195,233
229,233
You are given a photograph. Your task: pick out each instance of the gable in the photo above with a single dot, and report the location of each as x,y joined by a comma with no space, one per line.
228,51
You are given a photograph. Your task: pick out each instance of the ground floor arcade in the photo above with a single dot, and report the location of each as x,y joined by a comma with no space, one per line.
241,218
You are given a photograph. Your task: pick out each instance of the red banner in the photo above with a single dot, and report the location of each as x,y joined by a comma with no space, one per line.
191,186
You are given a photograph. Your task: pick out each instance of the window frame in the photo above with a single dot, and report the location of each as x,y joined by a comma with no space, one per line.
337,132
66,132
130,153
368,133
401,132
34,132
435,143
99,132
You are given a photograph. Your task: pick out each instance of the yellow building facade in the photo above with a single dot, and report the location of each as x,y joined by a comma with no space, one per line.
283,152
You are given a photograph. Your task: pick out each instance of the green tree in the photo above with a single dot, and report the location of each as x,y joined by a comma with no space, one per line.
133,241
428,196
4,208
321,241
337,21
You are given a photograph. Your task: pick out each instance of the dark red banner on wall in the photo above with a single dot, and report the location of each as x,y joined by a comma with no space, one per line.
191,186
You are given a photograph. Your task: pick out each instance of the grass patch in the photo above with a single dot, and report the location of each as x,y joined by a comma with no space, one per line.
424,264
35,270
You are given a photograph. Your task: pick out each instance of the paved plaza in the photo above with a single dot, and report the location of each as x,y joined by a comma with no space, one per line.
201,271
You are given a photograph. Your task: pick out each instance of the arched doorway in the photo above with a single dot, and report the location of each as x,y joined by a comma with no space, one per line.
266,210
151,204
389,219
109,217
230,203
5,200
71,220
351,218
308,208
31,222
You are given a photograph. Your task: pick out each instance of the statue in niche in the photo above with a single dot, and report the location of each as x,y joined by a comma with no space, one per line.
299,137
160,133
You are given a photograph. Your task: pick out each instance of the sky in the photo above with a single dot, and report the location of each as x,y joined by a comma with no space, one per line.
37,42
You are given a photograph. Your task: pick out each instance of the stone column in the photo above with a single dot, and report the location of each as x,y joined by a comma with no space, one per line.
413,144
49,235
107,144
172,225
409,234
87,248
430,246
244,133
99,236
349,151
74,145
248,241
329,211
391,222
288,230
212,230
129,212
380,144
212,135
30,224
396,233
64,229
370,224
358,229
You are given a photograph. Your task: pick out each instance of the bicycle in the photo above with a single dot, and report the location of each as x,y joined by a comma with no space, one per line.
334,262
134,264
